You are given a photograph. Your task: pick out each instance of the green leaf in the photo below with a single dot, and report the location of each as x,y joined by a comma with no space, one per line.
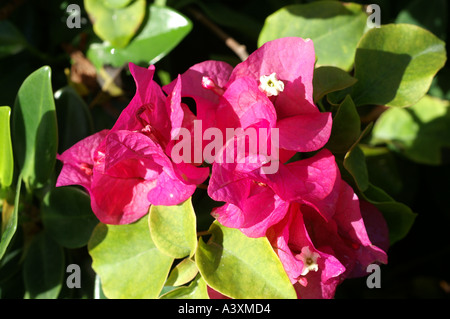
196,290
433,18
6,153
184,272
67,216
114,4
35,128
129,264
329,79
346,128
74,118
419,132
43,268
10,216
395,65
355,162
98,289
242,267
383,170
334,28
398,216
11,40
116,25
173,229
162,30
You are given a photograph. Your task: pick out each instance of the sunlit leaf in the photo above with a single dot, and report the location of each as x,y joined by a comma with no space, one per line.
179,221
113,21
35,129
242,267
335,29
127,261
395,64
162,29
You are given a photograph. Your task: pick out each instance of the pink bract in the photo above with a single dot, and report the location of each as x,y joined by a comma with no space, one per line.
343,244
127,169
230,97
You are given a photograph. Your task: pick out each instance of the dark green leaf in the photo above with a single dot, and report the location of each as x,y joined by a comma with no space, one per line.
74,118
398,216
383,169
67,216
11,39
329,79
355,162
346,127
43,268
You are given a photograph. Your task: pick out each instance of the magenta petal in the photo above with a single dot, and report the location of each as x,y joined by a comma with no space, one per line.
118,201
292,59
351,224
226,186
78,161
148,106
191,174
206,99
278,236
249,104
262,211
169,190
311,180
305,133
376,225
125,148
175,109
229,215
152,167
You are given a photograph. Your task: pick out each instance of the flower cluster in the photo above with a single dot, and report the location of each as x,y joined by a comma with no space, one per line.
315,222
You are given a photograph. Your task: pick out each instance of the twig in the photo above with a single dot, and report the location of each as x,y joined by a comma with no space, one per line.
239,49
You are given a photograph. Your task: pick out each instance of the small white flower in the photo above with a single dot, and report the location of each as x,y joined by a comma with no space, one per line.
309,260
270,85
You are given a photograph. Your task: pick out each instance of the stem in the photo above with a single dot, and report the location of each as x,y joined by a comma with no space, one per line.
203,233
239,49
321,107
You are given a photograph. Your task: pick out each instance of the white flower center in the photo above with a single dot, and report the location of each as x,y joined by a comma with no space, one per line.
270,85
309,260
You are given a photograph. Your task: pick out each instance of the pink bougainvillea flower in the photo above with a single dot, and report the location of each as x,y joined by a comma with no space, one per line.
127,169
255,201
319,254
79,161
311,216
272,87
